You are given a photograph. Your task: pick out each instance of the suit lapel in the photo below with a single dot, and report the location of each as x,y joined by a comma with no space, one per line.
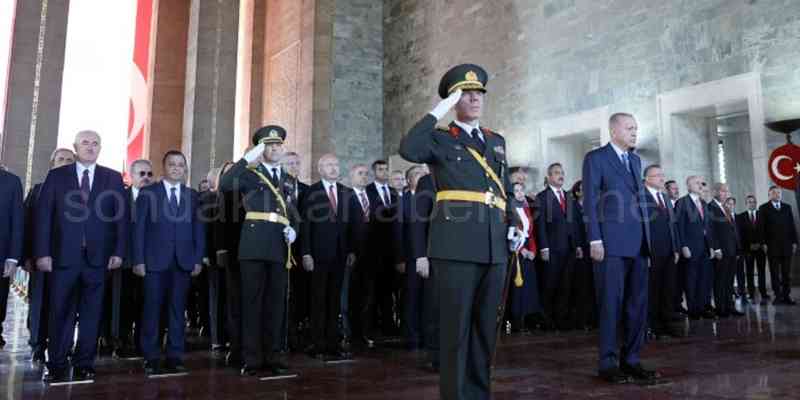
616,163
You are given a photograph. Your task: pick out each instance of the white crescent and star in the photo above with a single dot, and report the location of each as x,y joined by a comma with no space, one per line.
777,173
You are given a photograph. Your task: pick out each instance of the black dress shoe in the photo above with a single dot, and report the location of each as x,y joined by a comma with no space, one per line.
369,342
708,314
233,360
174,366
638,372
614,376
249,371
737,313
788,301
37,357
278,365
151,367
682,310
55,375
83,373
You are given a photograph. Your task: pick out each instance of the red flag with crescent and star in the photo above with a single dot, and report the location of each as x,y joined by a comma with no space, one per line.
784,166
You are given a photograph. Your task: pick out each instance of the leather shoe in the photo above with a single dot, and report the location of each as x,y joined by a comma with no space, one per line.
174,366
83,373
279,365
54,375
248,371
151,367
639,372
614,376
788,301
708,314
369,342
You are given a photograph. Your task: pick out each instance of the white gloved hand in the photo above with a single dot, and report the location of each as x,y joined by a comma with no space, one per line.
289,234
446,105
423,267
515,238
254,153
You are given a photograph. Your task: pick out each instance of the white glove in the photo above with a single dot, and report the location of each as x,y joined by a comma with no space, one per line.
423,267
254,153
446,105
289,234
516,239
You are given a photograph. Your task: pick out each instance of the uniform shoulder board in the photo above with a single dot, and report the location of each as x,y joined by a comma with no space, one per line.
442,129
252,167
487,131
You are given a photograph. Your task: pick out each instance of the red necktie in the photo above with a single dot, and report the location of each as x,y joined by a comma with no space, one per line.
332,198
364,203
661,202
562,200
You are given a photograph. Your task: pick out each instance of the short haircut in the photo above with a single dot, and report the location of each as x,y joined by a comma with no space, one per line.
772,187
617,116
95,134
376,163
173,153
291,154
358,166
141,161
733,199
718,186
410,171
552,166
56,151
670,182
750,196
650,168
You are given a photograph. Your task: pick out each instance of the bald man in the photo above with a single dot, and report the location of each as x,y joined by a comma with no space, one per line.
81,232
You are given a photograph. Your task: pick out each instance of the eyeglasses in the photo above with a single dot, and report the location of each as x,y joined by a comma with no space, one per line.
148,174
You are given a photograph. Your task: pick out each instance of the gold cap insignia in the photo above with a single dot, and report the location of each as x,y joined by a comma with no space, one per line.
471,76
273,134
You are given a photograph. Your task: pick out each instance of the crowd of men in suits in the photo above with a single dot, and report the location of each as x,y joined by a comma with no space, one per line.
268,264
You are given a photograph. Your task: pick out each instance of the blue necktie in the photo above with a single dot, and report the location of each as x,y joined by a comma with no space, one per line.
173,201
626,162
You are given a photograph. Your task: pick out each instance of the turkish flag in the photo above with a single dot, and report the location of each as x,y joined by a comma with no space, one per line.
784,166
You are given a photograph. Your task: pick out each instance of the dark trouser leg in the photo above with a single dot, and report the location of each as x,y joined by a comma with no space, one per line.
693,285
667,292
469,296
786,276
254,287
656,285
5,284
413,307
275,303
178,292
565,296
748,263
38,291
319,304
430,310
761,265
707,272
234,308
552,274
90,308
609,279
344,302
131,307
775,276
723,284
155,293
366,288
213,299
64,289
741,285
635,308
583,295
681,281
334,280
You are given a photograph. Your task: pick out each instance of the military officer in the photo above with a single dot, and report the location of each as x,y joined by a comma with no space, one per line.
264,249
470,229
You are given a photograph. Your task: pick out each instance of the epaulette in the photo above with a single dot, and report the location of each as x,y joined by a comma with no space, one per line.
488,132
443,129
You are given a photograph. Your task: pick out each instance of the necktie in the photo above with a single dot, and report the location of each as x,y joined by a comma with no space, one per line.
476,137
85,189
332,198
563,201
700,208
173,201
626,162
364,203
753,217
661,202
777,206
275,176
385,197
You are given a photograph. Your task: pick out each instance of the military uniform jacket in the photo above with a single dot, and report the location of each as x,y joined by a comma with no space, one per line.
260,240
462,231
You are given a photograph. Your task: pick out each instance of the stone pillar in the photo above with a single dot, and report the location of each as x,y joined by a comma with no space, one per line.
30,131
208,115
169,80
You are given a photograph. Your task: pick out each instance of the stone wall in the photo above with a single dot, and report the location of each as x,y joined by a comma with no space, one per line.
553,58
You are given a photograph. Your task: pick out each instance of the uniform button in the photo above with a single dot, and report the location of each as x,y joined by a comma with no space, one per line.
491,190
458,158
252,225
487,175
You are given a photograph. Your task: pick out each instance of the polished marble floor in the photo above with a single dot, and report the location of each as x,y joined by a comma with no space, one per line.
754,357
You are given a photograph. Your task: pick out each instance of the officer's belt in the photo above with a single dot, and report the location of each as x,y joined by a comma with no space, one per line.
269,217
488,198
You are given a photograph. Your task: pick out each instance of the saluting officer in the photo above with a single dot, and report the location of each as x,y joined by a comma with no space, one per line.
264,249
469,230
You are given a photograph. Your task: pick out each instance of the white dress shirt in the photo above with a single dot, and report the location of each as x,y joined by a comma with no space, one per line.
80,168
327,185
169,187
469,128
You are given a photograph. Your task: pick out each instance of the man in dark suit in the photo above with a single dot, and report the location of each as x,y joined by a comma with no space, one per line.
131,296
697,247
618,232
11,234
754,257
382,198
81,232
557,239
663,254
299,279
38,287
727,239
471,231
358,287
779,237
168,248
331,218
264,250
